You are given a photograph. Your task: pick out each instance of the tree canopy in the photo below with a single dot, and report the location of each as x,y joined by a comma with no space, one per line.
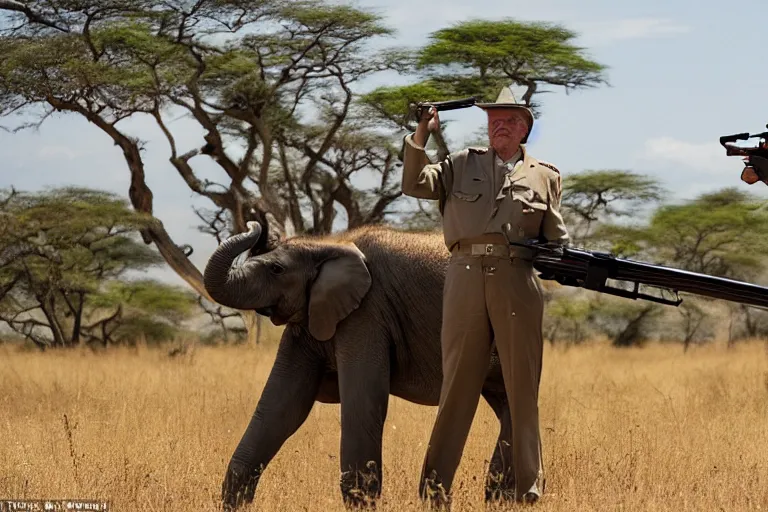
66,254
479,57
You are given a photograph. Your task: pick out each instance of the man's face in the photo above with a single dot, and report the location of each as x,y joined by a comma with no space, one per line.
506,126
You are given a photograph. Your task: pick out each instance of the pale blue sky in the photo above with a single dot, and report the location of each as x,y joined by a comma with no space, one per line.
682,73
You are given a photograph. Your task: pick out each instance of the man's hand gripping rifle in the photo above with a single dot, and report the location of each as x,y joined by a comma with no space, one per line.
756,157
592,270
417,111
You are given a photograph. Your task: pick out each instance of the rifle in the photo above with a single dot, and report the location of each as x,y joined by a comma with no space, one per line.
416,111
591,270
757,157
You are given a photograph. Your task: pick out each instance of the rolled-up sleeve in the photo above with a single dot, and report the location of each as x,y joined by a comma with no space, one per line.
422,179
554,229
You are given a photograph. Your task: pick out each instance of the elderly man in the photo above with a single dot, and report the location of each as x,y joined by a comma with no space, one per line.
491,291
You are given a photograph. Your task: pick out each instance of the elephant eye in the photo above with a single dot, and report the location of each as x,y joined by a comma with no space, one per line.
276,268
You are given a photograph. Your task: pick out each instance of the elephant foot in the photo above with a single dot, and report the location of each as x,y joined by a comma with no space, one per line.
239,486
361,488
499,486
434,494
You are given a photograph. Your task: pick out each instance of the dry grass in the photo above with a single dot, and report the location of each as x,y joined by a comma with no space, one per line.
647,429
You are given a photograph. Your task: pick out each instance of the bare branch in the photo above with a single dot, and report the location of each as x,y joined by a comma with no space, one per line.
215,222
32,16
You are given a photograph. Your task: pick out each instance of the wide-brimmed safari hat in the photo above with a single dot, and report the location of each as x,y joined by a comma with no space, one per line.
506,99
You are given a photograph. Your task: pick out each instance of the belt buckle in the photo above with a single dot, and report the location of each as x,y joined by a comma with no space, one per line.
483,249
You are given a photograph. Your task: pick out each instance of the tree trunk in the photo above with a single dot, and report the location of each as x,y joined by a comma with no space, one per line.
78,322
692,325
141,198
48,307
177,260
631,333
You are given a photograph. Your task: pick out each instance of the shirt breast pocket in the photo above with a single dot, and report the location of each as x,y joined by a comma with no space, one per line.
530,207
470,187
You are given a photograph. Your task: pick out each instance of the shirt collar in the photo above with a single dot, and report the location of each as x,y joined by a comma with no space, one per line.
517,156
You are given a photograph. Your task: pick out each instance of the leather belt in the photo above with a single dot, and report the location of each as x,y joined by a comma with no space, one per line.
498,250
475,247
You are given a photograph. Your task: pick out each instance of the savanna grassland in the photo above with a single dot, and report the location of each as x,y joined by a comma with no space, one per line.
636,429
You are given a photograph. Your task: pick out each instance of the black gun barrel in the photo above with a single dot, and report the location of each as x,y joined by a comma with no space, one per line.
449,104
591,270
734,138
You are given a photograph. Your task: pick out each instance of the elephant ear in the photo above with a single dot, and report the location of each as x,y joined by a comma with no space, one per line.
342,282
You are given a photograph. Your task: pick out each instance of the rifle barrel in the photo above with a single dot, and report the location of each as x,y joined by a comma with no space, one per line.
734,137
584,265
449,104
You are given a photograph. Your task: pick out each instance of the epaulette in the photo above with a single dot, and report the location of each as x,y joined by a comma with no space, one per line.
550,166
477,149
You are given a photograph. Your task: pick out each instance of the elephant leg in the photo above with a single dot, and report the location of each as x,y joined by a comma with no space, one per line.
364,391
285,403
500,480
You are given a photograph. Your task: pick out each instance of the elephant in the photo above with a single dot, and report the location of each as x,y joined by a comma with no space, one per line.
362,314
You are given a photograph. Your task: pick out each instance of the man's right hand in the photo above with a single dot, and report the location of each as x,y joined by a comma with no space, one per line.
429,123
749,176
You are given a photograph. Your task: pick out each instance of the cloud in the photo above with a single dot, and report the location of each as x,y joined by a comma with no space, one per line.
611,31
708,157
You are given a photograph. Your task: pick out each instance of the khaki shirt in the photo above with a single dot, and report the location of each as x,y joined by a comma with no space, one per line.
478,195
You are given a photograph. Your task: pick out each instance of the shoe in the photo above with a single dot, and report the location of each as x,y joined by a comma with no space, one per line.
531,496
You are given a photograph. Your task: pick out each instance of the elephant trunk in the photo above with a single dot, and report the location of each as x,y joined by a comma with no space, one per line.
224,284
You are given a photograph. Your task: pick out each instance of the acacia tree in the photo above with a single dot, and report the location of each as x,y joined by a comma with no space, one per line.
483,55
64,252
142,308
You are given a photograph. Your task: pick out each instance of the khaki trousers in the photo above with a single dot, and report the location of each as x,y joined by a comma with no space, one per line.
487,298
